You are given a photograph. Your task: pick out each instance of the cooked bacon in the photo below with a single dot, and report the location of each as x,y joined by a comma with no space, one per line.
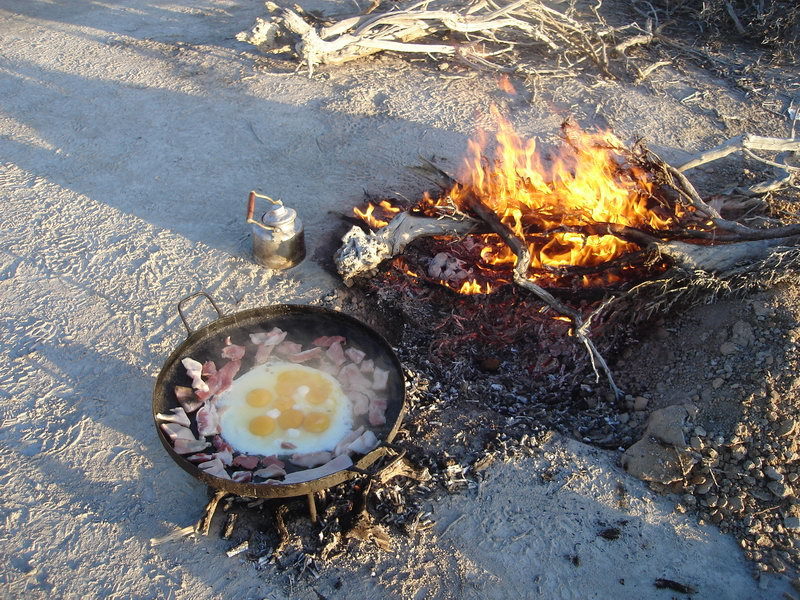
311,459
186,446
360,402
327,340
377,411
335,354
268,461
269,338
186,398
225,456
334,466
194,370
221,380
367,442
269,472
176,431
208,420
263,352
209,368
305,356
351,378
355,355
242,476
178,415
220,444
215,468
348,438
246,461
380,378
367,366
288,446
328,368
200,457
288,348
232,351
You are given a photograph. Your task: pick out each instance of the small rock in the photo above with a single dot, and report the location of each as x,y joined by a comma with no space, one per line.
736,504
640,403
700,431
791,522
738,453
704,488
717,383
780,489
624,418
728,348
786,428
689,500
696,443
773,473
742,333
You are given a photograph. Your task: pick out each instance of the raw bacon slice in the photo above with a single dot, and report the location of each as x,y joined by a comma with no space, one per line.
225,456
305,356
334,466
367,442
208,420
175,431
221,380
351,378
288,446
178,415
232,351
269,338
379,379
246,461
194,370
327,340
200,457
268,461
220,444
377,411
209,368
269,472
335,354
263,352
367,366
215,468
288,348
360,402
242,476
348,438
184,446
186,398
311,459
355,355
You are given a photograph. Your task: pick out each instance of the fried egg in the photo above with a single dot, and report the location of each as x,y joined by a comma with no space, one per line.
285,404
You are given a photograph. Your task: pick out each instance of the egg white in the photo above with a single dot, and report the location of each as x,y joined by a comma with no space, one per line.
235,413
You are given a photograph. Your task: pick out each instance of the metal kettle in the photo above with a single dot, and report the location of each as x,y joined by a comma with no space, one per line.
278,237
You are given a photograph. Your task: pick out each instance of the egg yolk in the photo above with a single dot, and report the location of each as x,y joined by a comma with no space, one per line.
316,422
290,418
318,389
284,403
262,425
258,397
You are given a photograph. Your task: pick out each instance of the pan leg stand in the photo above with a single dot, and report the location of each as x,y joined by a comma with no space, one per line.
312,507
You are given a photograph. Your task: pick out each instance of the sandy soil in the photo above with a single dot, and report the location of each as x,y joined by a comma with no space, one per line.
131,133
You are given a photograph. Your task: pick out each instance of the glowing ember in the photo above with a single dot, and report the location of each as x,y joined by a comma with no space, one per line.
554,204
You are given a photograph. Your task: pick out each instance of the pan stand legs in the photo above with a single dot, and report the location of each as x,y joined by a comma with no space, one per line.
312,507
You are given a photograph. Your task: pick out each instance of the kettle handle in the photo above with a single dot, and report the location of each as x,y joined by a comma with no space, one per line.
251,207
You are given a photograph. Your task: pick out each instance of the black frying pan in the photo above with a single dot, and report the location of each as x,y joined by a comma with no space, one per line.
304,323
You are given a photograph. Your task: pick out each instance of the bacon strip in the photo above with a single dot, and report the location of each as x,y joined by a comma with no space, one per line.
200,457
311,459
220,381
194,370
242,476
360,402
215,468
269,338
267,461
355,355
334,466
246,461
380,378
305,356
178,415
327,340
335,354
352,378
176,431
367,442
209,368
186,398
348,438
184,446
288,348
208,420
377,411
270,472
232,351
263,352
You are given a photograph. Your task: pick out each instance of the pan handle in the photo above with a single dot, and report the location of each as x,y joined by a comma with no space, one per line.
183,301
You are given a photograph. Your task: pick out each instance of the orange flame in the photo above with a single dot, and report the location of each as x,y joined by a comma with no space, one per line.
368,218
473,287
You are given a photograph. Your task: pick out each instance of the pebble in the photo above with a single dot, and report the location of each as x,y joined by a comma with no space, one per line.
738,453
736,504
780,489
791,522
786,428
704,488
640,403
717,383
773,473
728,348
696,443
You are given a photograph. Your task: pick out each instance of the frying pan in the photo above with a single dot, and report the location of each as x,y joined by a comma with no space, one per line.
304,324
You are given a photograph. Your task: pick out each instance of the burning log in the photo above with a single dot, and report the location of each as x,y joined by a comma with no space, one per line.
550,231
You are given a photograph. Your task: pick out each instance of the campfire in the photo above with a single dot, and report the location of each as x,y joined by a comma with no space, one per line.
593,219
